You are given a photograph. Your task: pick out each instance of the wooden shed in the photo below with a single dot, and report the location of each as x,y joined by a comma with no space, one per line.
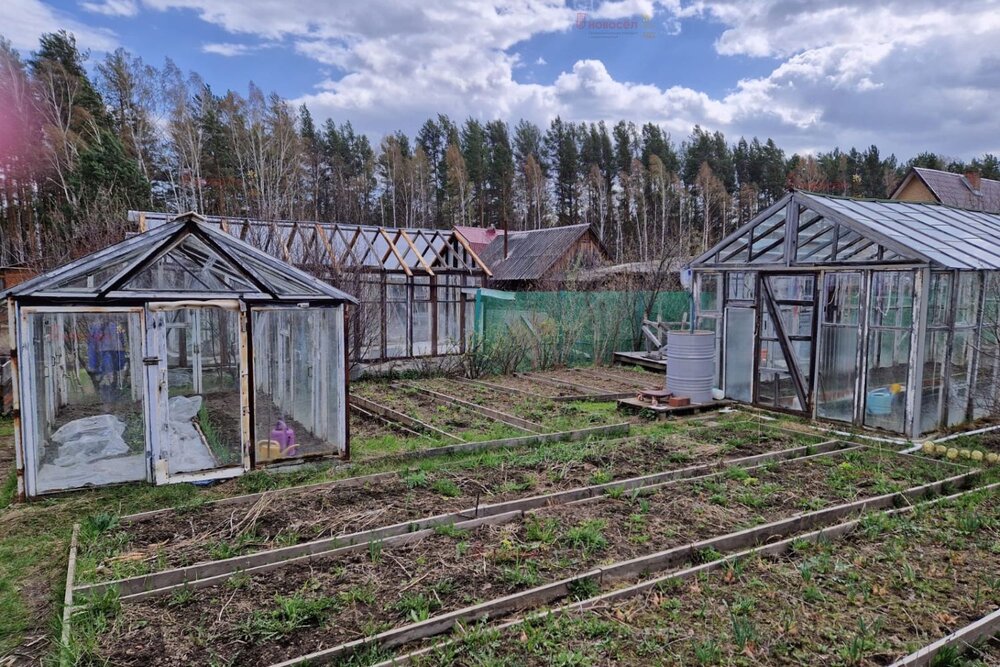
544,258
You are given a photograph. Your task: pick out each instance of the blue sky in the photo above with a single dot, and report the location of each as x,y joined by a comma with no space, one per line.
907,75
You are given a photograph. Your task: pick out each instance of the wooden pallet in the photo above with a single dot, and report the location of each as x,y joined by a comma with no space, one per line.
663,411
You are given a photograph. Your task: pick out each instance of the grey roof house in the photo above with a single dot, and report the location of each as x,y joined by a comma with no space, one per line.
967,190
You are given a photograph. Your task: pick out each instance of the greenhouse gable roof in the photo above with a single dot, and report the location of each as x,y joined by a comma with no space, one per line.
184,258
805,228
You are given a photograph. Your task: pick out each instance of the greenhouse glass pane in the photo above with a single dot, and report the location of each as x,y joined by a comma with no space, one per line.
85,378
298,382
93,281
190,267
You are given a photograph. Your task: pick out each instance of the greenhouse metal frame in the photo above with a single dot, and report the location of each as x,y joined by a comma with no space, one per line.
182,354
873,313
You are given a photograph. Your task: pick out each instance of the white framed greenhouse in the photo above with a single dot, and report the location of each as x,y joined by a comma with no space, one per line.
879,314
181,354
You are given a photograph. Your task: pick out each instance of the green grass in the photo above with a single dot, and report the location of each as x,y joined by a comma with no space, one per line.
288,614
8,491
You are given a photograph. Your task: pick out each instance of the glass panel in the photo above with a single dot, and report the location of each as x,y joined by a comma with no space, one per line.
775,386
892,299
837,370
366,321
741,285
736,251
842,298
932,398
890,320
282,283
395,329
960,370
792,288
85,385
939,299
769,243
739,353
888,374
815,241
191,266
421,314
987,389
395,289
967,308
421,288
470,319
853,247
708,292
298,381
775,389
92,281
202,429
449,333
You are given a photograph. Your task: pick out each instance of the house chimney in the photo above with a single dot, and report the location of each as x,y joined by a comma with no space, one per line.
974,179
505,234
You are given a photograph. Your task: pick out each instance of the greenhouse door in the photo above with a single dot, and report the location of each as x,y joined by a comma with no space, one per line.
199,375
785,335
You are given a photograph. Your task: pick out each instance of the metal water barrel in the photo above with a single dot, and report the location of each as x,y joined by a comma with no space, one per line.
691,364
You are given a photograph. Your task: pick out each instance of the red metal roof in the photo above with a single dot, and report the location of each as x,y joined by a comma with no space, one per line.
479,237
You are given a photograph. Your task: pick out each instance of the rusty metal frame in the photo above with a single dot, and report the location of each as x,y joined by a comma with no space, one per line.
420,257
395,251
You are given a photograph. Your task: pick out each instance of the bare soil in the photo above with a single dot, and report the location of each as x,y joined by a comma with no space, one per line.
258,620
604,385
631,378
541,411
456,420
363,428
530,386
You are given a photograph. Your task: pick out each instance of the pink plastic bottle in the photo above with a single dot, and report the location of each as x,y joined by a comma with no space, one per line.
285,437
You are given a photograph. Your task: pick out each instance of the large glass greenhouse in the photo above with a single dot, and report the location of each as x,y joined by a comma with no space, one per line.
180,354
881,314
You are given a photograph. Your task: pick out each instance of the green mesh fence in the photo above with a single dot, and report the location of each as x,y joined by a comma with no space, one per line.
571,328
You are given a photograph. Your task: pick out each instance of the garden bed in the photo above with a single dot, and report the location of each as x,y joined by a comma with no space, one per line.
602,384
893,585
531,387
260,619
463,423
207,531
552,415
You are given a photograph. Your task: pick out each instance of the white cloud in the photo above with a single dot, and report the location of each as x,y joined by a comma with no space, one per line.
112,7
23,21
541,61
905,74
228,49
